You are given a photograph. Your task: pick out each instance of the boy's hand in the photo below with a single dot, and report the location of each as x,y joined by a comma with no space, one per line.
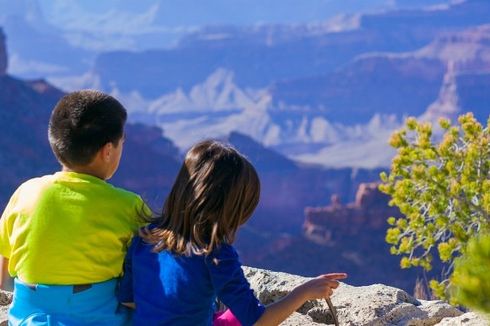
6,281
131,305
321,286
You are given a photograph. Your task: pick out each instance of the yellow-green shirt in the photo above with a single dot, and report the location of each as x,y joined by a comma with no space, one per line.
68,228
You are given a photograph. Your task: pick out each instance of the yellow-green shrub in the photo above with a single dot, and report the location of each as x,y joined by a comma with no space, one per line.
470,282
442,188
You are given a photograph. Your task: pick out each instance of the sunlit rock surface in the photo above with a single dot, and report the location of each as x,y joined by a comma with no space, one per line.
372,305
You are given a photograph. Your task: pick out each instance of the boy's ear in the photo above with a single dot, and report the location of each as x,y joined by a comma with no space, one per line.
106,152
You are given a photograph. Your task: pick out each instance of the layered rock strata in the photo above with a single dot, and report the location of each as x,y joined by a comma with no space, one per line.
3,54
367,213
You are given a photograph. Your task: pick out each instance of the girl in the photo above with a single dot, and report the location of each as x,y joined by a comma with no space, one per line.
179,265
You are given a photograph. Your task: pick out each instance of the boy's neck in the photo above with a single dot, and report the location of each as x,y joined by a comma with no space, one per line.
85,170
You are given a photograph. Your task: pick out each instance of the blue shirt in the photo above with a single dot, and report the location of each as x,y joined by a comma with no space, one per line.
171,289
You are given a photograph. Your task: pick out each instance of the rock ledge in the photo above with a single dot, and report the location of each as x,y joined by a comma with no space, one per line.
372,305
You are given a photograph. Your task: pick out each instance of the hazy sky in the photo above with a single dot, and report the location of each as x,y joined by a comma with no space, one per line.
175,13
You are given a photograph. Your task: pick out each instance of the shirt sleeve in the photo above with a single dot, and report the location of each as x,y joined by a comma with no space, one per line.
143,213
231,286
6,226
125,289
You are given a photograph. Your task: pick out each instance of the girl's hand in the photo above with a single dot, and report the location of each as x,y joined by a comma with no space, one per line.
321,286
317,288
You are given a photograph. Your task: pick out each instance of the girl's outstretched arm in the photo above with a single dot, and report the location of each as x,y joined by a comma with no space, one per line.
317,288
6,282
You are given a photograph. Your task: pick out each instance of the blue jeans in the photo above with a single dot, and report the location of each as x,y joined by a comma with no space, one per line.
64,305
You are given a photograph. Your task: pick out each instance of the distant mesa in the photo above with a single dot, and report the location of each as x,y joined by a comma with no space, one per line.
368,212
3,54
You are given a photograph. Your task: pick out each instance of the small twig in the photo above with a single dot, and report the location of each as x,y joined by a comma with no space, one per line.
332,311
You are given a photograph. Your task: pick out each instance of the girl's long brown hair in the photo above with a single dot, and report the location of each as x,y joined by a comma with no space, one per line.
216,191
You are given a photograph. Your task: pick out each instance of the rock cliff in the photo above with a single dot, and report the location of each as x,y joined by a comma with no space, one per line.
368,212
372,305
3,54
348,237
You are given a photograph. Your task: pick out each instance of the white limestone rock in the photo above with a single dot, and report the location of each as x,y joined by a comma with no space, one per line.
372,305
299,319
467,319
5,299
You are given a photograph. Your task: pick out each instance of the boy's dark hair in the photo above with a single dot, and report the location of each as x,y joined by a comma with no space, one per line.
82,123
216,191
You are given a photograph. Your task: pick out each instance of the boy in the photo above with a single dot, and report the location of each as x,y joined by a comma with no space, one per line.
64,236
